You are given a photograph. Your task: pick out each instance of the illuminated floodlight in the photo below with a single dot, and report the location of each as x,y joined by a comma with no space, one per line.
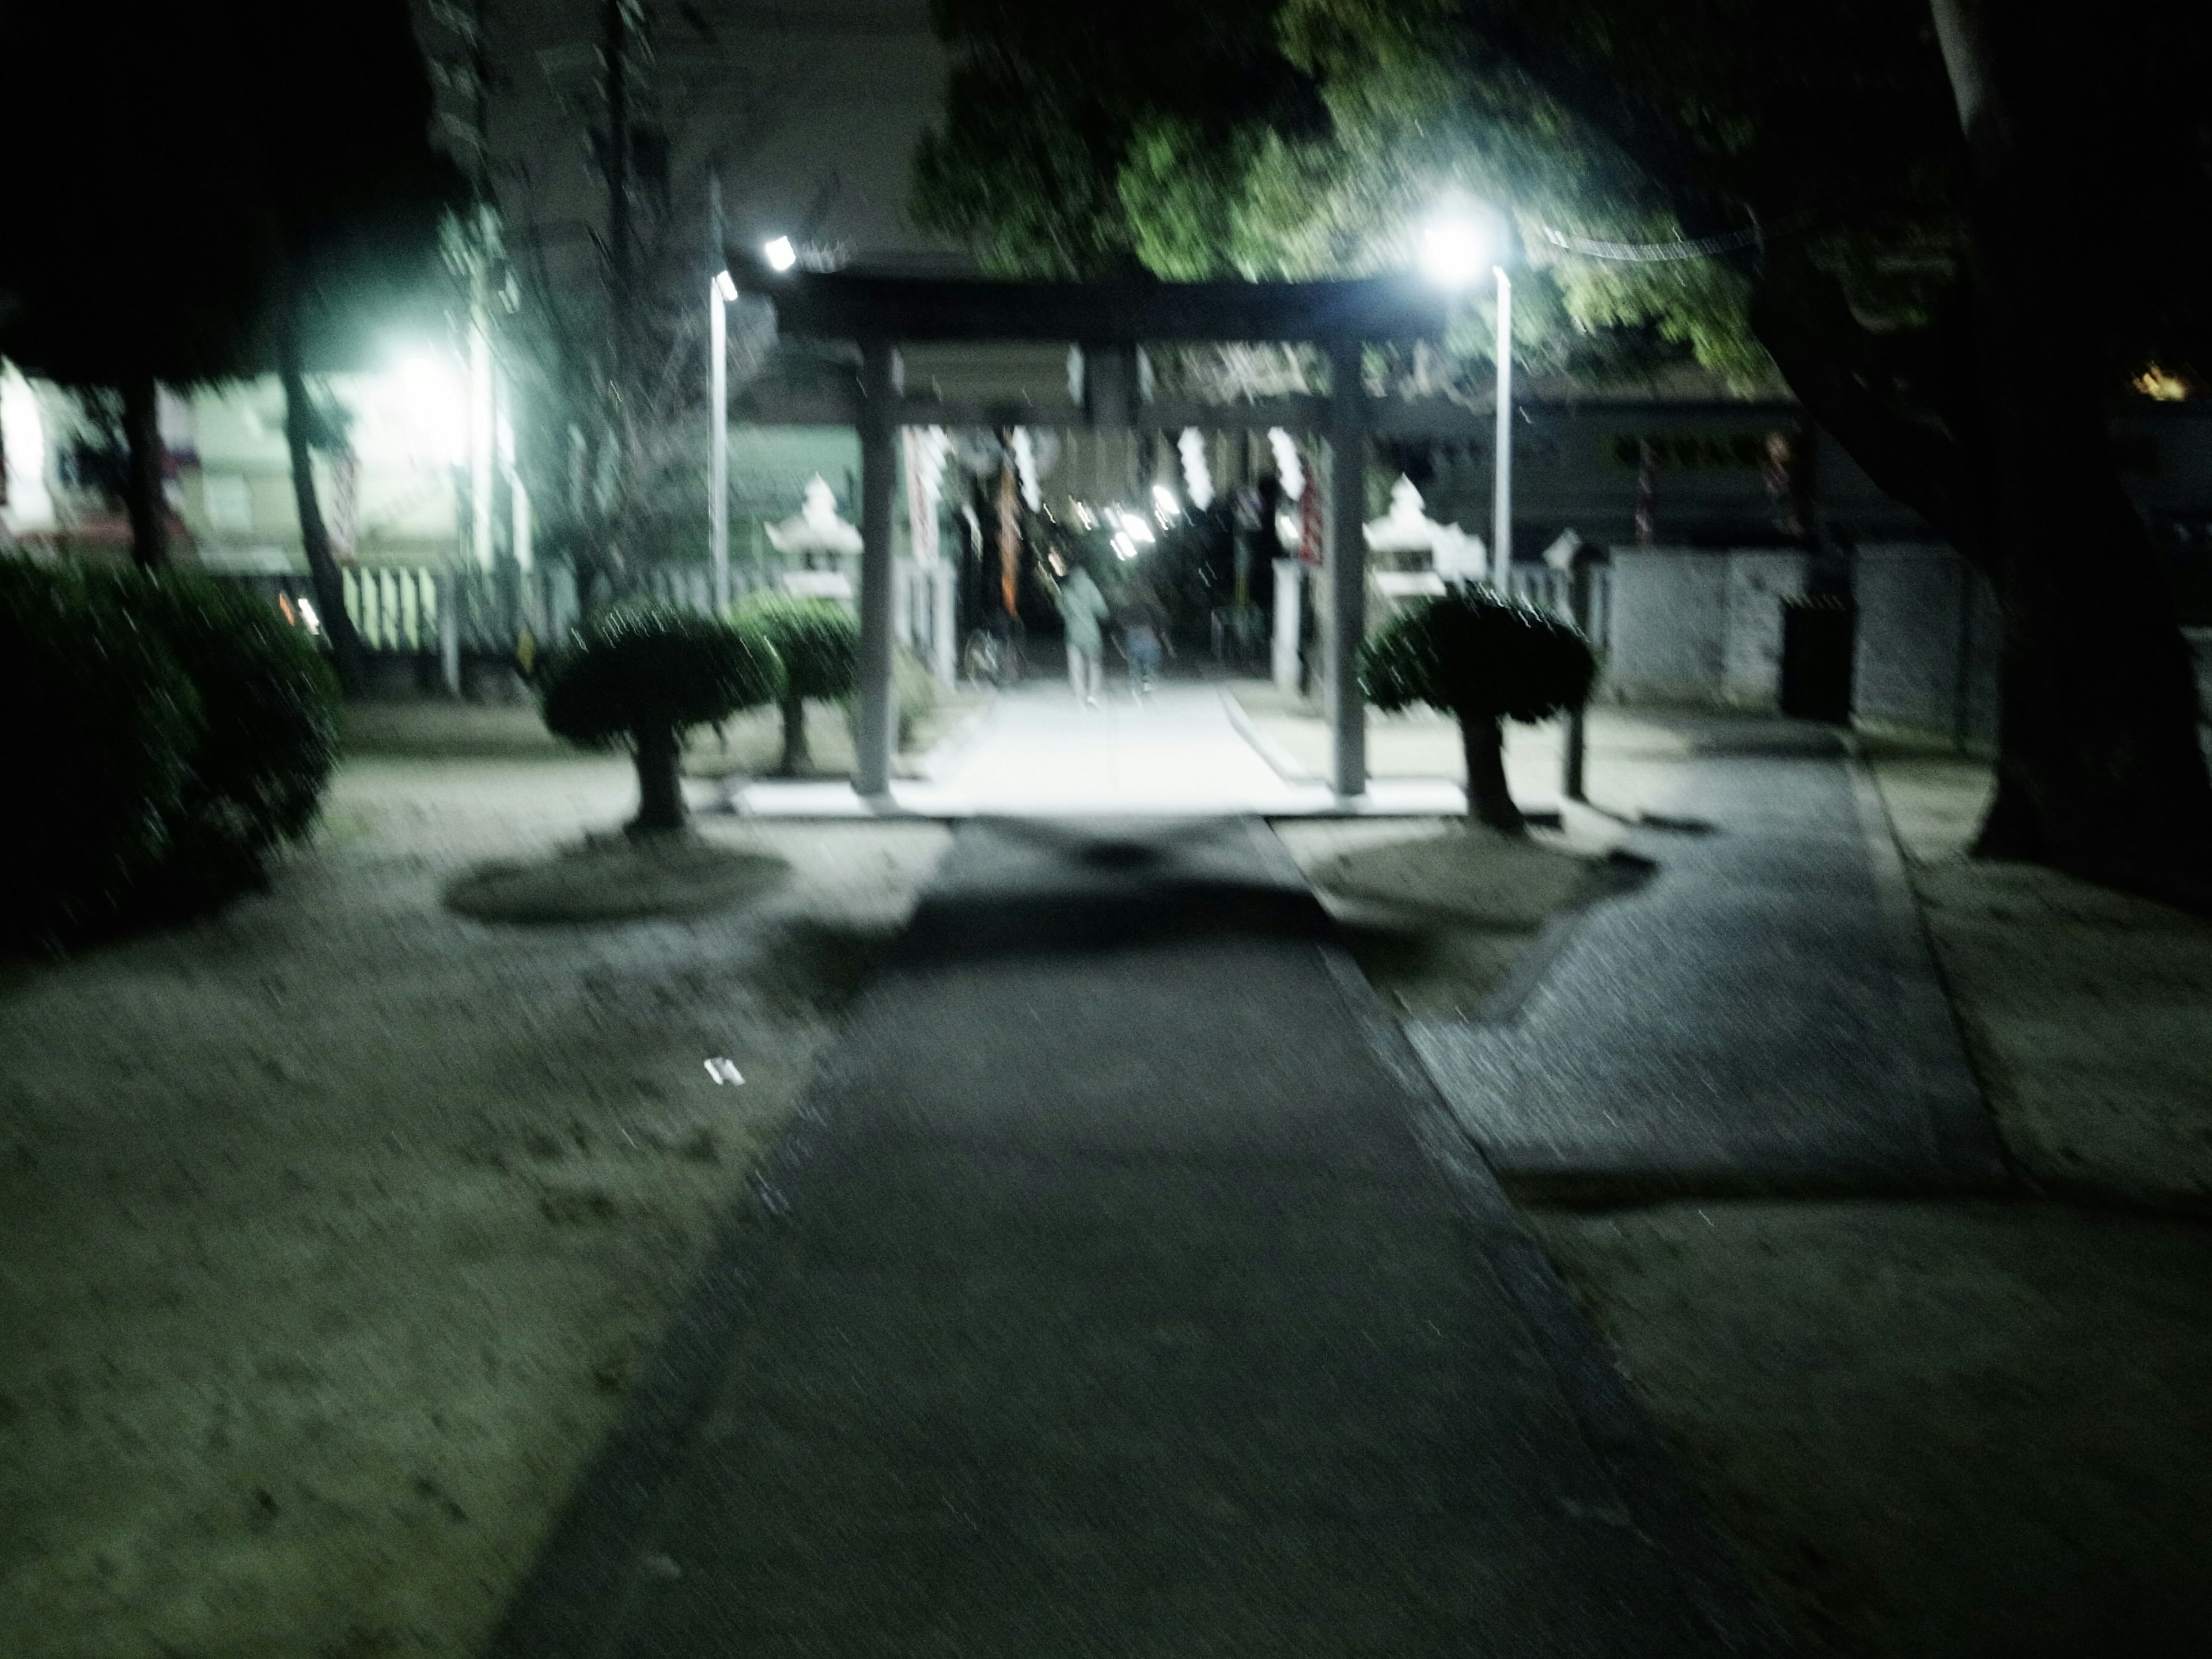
1456,250
780,253
1123,547
1133,526
431,408
1165,504
725,289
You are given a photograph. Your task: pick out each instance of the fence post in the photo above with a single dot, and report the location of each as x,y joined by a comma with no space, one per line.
1580,575
449,631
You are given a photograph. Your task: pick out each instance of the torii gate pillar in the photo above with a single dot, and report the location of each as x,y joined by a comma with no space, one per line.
878,722
1347,553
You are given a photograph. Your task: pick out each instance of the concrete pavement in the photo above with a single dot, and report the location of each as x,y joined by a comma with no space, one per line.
1762,1015
1127,1292
1180,752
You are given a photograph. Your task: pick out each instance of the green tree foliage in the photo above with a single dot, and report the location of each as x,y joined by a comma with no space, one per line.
97,745
1484,662
818,643
640,677
1955,251
182,730
268,703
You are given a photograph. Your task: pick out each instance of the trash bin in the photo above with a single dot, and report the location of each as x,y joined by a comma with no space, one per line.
1818,632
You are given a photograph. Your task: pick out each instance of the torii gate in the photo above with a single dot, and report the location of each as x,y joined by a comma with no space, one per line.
1106,322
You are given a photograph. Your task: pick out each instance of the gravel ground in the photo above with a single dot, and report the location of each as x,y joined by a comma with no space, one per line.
331,1228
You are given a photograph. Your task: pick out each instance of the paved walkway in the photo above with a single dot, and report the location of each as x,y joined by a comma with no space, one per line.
1128,1293
1035,749
1762,1015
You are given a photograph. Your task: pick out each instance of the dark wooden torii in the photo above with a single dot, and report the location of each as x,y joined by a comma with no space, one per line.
1105,321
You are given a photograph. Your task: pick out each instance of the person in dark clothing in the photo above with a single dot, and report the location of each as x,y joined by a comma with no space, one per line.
1144,639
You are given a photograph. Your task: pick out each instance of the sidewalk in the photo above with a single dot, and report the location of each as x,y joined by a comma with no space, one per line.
1035,749
1762,1015
1124,1296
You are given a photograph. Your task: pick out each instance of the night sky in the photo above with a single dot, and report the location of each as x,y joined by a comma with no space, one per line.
814,109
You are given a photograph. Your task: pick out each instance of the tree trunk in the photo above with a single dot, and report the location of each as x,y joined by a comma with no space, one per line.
660,805
1488,799
796,758
143,497
314,535
2099,772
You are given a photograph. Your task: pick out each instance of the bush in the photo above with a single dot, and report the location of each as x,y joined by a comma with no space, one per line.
914,692
100,730
818,643
171,729
1483,660
270,701
640,677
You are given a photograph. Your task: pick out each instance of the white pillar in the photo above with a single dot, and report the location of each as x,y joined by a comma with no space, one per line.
1501,496
481,425
717,453
944,622
1288,595
878,723
1348,565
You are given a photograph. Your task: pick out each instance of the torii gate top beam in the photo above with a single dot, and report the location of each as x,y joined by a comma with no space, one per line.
853,306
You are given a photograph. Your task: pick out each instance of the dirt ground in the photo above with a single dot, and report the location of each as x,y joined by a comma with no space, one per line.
331,1229
1970,1428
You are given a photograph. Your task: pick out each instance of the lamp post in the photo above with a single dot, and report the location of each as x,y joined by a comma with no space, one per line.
1501,492
720,292
1454,250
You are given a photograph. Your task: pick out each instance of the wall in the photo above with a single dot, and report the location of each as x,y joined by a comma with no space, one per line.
1689,626
1926,656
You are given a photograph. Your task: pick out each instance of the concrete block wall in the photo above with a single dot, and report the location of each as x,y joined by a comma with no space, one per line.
1757,583
1669,623
1928,641
1689,626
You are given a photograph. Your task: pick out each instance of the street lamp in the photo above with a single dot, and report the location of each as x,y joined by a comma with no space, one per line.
720,293
780,253
1454,250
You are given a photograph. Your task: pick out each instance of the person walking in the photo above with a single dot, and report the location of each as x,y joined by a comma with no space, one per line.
1144,639
1082,608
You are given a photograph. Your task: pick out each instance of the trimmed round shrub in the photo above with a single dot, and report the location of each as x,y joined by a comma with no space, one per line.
914,693
640,677
269,700
819,643
1483,660
102,725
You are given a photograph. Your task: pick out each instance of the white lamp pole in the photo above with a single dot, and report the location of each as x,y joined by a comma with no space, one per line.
1501,497
720,292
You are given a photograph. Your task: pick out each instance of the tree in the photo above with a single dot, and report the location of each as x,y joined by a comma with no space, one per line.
1482,661
129,260
640,677
1937,247
252,180
819,644
355,194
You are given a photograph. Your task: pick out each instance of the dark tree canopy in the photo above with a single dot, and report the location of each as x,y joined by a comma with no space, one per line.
197,161
639,677
642,671
1477,656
